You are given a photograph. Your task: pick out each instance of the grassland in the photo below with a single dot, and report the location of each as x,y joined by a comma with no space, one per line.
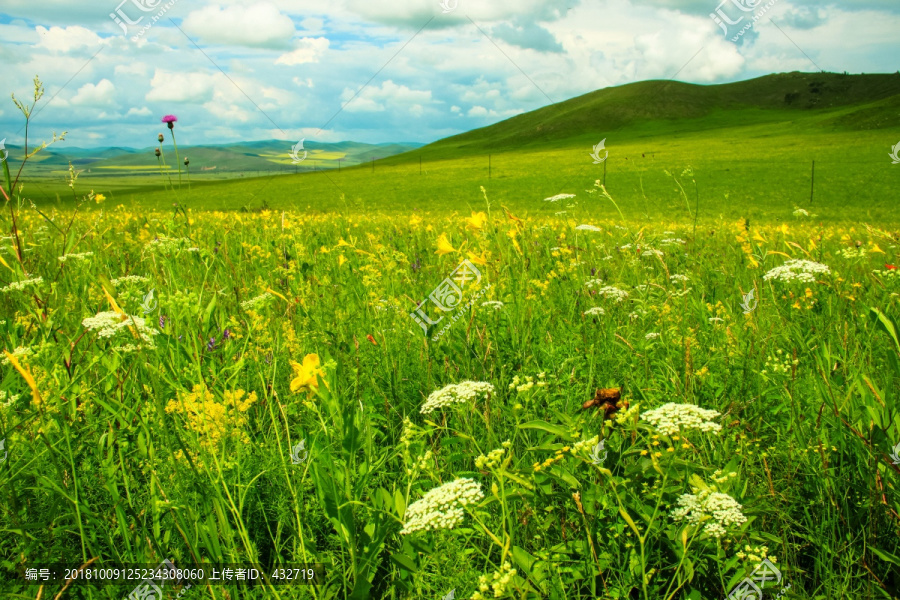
139,428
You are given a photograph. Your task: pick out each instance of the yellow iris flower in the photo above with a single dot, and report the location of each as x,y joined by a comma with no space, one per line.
305,374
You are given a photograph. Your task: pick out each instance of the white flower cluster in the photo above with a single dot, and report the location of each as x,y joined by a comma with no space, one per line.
18,353
76,256
651,336
591,283
594,312
717,511
442,507
256,303
652,252
6,400
613,293
799,212
797,270
495,304
455,393
108,324
853,253
672,241
678,277
588,228
672,418
523,384
131,280
497,581
166,245
18,286
559,197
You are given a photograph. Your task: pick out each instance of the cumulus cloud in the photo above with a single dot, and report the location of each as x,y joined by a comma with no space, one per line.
259,25
66,39
102,94
374,98
307,50
181,87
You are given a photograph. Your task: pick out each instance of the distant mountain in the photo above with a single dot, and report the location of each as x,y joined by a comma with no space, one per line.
263,155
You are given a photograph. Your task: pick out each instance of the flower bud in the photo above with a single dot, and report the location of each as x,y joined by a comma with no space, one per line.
157,153
160,138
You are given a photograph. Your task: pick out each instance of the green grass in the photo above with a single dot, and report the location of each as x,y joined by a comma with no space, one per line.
125,451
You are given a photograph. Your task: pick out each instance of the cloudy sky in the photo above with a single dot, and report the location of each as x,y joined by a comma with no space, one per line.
396,70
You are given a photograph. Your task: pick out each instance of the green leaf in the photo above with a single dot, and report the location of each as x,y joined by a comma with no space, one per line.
404,561
557,430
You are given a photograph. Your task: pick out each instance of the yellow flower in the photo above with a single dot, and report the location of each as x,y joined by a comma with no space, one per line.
476,221
100,198
444,246
414,220
341,260
478,260
305,374
512,233
875,248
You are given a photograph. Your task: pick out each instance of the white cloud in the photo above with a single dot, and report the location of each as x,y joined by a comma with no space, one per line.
181,87
132,68
374,98
102,94
308,50
66,39
139,112
259,25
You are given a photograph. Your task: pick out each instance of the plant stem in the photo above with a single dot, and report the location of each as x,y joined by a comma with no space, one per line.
178,164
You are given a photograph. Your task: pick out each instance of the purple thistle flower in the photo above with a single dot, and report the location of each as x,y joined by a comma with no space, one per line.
170,120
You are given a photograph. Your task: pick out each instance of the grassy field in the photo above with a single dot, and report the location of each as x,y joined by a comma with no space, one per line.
643,391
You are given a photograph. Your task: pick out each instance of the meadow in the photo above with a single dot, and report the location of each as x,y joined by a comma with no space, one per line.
632,399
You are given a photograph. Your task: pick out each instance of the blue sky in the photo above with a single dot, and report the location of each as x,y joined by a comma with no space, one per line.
244,70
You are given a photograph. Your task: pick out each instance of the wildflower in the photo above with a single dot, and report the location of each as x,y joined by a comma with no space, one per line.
21,285
613,293
18,353
160,138
559,197
672,418
890,267
170,120
588,228
797,270
651,336
130,279
442,507
594,312
99,198
111,323
492,459
211,344
305,374
456,393
444,246
498,582
476,221
76,256
714,510
495,304
257,302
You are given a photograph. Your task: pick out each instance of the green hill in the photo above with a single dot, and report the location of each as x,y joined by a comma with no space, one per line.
827,101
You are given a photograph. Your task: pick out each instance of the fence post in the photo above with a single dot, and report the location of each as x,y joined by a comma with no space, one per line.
812,185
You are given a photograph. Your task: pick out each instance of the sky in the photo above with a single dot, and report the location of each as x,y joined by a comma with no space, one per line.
391,71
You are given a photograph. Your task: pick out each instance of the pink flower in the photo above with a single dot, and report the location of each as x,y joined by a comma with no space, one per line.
170,119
